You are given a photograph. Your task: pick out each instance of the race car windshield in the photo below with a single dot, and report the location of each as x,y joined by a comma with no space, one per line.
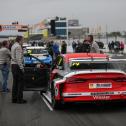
94,65
38,51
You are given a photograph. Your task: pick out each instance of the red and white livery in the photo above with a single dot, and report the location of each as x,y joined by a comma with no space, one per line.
82,77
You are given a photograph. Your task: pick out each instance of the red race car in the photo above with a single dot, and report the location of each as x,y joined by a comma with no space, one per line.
82,77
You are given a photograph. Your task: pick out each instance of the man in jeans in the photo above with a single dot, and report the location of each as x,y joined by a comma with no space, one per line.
17,71
5,56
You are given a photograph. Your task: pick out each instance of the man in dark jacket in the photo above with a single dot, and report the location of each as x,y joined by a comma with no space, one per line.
78,47
63,47
50,48
86,46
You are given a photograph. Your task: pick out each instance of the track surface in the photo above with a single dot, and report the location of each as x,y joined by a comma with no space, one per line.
37,113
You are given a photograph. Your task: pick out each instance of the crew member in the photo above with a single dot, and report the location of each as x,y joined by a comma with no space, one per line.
17,71
94,45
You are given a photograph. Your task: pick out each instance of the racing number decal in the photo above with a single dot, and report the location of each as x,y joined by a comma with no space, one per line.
29,52
76,64
60,61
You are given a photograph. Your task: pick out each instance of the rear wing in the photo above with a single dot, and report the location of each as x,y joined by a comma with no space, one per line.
98,60
98,63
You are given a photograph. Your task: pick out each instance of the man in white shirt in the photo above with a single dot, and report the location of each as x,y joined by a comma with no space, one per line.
17,71
94,45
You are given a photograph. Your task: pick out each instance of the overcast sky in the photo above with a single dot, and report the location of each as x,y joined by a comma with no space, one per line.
89,12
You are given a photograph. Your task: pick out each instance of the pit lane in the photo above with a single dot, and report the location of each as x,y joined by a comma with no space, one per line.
37,113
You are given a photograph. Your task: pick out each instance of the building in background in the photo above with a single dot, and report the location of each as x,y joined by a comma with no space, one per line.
73,22
60,27
67,28
77,32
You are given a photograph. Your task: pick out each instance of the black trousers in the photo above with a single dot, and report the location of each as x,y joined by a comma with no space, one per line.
18,83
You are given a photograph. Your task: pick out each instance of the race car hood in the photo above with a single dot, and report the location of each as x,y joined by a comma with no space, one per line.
40,56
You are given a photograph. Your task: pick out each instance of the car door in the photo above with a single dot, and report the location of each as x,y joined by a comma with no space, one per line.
36,76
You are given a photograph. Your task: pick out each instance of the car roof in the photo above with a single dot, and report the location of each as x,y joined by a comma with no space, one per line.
36,47
69,56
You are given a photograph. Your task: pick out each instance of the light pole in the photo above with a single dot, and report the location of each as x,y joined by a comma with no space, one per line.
106,34
67,30
28,32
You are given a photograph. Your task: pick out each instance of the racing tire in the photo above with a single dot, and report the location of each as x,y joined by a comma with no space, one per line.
55,103
41,92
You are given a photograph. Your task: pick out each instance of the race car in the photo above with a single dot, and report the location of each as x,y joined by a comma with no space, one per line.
39,52
87,77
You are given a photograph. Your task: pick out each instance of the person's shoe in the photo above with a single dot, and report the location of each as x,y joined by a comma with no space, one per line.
14,100
6,90
22,101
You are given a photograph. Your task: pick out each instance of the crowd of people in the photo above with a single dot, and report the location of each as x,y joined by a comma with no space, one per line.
87,46
116,47
54,48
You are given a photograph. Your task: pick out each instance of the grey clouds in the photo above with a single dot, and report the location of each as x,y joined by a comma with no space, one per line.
89,12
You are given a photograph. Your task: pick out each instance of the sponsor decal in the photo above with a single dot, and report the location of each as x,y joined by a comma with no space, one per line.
95,95
99,85
101,93
101,97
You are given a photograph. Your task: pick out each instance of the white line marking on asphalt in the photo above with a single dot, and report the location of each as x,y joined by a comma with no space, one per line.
48,105
47,97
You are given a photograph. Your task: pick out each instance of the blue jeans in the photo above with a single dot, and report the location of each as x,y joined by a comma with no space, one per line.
5,73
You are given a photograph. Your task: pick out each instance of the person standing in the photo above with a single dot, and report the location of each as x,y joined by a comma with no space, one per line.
94,45
122,47
74,45
17,71
56,50
50,48
5,57
63,47
109,47
78,48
